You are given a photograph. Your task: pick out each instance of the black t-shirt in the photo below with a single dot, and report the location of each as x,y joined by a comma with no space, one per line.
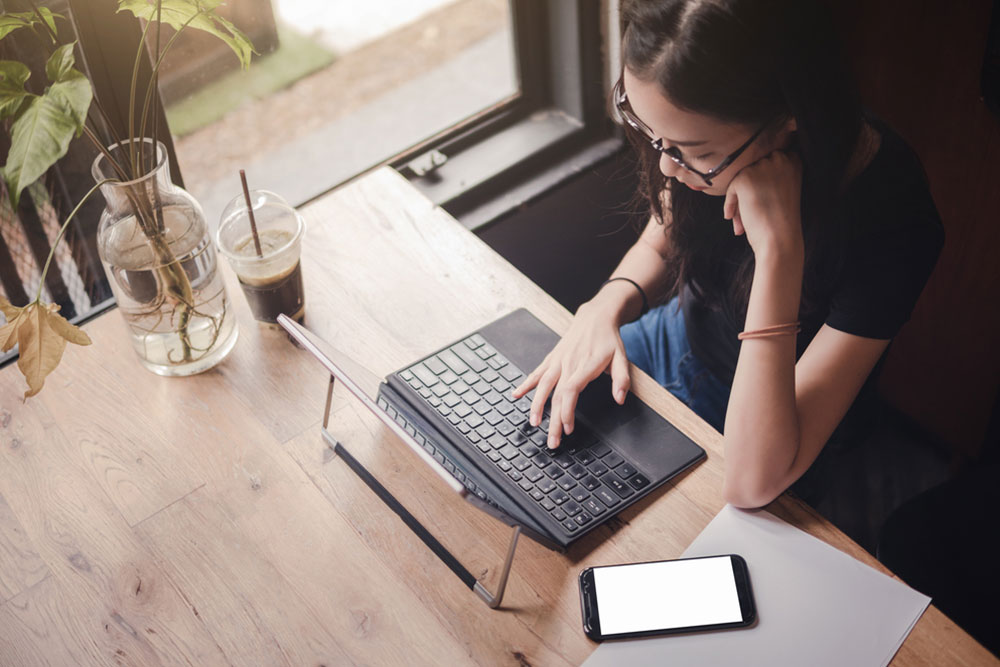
893,238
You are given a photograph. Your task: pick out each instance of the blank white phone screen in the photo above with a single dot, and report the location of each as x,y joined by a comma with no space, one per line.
666,595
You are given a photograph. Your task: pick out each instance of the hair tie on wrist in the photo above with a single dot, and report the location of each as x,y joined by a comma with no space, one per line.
642,292
789,329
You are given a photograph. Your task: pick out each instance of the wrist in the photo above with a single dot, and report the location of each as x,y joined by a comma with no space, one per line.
619,300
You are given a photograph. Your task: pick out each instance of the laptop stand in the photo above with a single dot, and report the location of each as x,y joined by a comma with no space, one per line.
491,599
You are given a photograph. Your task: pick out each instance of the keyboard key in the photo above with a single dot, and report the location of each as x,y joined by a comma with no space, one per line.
425,375
563,460
463,411
511,374
469,357
515,475
534,474
594,506
577,471
484,446
474,341
460,388
547,504
600,449
639,482
489,375
523,404
492,397
518,437
495,363
496,441
473,437
448,377
536,494
530,451
505,428
436,365
585,457
598,468
554,472
579,494
625,471
451,400
566,482
516,418
504,465
484,352
425,392
493,418
493,455
546,485
525,484
481,408
544,462
406,375
583,518
470,377
619,487
440,389
558,497
521,463
504,407
434,401
572,508
613,460
510,451
485,430
474,420
454,419
590,482
482,388
538,438
453,362
501,386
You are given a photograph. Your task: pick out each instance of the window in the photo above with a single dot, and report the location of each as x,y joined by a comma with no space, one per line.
481,103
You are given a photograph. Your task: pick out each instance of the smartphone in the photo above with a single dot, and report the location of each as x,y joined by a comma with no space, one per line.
666,597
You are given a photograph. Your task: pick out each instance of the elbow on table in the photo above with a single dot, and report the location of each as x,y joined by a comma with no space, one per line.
748,491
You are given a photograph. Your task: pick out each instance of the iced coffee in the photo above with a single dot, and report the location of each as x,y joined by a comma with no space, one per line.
266,263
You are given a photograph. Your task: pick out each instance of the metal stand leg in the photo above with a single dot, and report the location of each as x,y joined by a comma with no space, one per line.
491,599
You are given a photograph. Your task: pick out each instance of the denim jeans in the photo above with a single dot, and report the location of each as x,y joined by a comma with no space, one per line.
658,344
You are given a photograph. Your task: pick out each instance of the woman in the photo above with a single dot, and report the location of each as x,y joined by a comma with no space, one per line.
791,232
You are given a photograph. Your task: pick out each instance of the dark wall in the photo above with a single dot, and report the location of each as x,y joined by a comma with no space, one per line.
569,240
920,67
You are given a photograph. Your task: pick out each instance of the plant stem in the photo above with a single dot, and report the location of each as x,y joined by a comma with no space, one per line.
65,226
156,70
131,98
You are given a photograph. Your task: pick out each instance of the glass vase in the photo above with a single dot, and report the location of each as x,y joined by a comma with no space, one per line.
161,263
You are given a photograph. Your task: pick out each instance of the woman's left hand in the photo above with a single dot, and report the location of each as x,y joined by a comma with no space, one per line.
764,202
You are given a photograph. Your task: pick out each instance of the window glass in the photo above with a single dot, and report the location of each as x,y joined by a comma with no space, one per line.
339,86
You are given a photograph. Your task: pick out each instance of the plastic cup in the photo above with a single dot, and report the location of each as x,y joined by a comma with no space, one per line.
271,280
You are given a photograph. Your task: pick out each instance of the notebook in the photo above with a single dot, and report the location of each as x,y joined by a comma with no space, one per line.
454,407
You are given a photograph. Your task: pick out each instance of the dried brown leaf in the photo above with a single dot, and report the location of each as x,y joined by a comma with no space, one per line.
8,332
61,326
42,334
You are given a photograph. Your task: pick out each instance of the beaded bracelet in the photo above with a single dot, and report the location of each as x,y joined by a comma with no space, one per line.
642,292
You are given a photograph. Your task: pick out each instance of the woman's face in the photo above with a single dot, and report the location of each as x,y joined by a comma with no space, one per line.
703,141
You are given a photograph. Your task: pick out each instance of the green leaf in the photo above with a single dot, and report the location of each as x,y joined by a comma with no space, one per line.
41,134
197,14
60,63
9,22
12,93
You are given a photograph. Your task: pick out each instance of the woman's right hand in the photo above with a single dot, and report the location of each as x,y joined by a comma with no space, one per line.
591,346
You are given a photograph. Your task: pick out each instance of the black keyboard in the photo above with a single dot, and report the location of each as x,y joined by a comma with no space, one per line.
469,384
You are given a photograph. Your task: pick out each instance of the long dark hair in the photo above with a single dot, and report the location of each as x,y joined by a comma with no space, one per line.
752,62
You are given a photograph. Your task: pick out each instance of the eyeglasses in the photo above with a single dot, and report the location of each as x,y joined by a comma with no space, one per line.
672,152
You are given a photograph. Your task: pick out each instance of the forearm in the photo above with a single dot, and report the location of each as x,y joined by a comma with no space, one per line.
762,433
645,264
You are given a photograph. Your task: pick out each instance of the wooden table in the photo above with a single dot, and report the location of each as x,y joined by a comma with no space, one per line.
203,520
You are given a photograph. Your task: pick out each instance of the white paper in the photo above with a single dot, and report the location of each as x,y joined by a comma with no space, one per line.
816,605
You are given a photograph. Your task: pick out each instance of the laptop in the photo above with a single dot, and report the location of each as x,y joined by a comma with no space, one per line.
454,409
